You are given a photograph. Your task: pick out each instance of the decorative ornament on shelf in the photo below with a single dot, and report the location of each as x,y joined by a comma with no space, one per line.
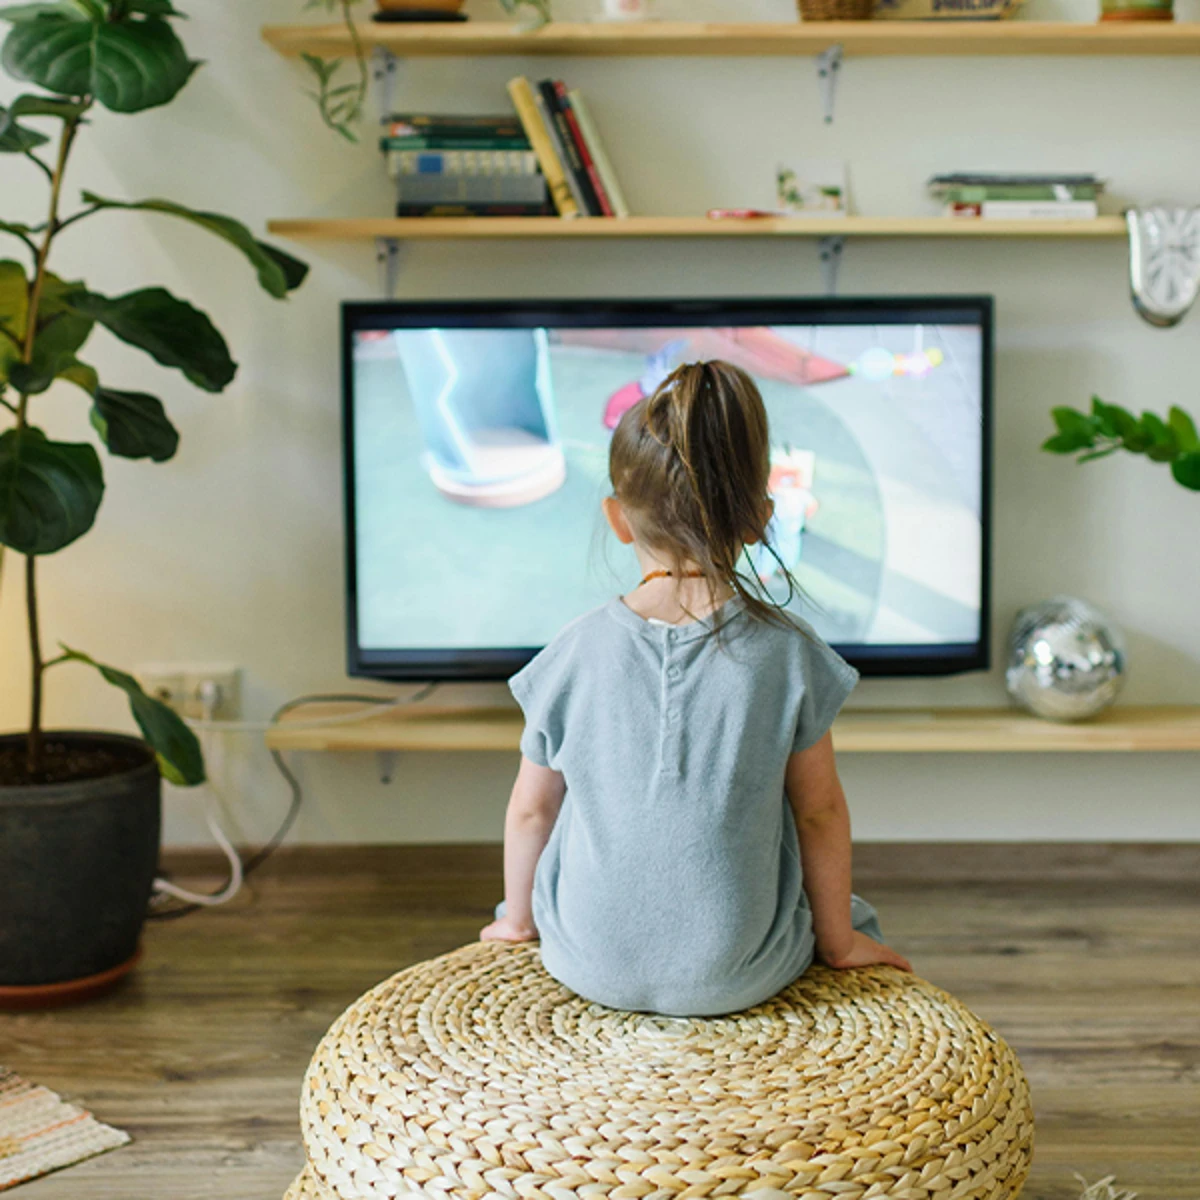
1066,660
533,14
1109,428
1164,262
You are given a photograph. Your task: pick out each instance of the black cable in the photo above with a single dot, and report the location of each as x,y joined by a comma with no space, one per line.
273,843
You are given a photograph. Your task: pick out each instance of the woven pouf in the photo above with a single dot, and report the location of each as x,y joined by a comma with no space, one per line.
476,1075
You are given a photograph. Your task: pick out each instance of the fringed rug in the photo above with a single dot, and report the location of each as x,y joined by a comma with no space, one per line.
40,1132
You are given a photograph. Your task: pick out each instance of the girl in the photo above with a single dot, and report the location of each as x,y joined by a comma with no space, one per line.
677,835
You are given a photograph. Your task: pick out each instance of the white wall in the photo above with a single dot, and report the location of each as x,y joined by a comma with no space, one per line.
232,552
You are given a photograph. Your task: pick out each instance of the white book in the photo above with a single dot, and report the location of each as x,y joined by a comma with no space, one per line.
1040,210
603,164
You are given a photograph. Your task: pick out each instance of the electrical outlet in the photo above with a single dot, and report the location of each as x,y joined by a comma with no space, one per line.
194,690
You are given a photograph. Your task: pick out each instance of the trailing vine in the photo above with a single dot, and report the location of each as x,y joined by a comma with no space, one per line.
340,103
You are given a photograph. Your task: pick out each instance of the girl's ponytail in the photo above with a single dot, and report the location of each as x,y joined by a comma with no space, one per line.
691,465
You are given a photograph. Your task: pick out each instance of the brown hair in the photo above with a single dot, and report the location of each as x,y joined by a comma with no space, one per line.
690,465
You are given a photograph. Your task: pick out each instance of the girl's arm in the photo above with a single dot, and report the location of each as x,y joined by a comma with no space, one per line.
823,825
533,808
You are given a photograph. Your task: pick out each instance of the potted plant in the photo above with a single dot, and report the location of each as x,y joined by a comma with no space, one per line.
79,811
1109,428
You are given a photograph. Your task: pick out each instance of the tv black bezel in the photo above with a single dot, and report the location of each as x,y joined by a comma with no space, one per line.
491,664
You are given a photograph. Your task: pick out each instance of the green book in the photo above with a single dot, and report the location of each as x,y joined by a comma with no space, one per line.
978,193
458,143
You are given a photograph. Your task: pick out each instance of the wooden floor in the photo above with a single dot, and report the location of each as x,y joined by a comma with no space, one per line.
1086,958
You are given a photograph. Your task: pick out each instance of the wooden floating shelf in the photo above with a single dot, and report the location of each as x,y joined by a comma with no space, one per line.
426,228
651,38
945,731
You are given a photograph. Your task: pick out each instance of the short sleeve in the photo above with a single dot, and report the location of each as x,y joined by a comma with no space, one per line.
540,689
827,680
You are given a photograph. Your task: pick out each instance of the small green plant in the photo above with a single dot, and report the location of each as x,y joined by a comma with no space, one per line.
1109,428
87,55
340,103
539,16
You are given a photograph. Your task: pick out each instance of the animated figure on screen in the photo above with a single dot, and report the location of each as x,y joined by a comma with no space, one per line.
790,485
759,350
484,402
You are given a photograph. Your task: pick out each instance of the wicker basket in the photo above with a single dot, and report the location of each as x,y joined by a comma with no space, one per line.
836,10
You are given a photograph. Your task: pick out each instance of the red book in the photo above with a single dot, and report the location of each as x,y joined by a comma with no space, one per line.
581,145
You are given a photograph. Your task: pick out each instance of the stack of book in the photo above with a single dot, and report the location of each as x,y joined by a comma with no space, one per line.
560,129
460,165
1018,197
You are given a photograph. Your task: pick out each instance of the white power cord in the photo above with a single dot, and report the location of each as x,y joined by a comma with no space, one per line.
238,870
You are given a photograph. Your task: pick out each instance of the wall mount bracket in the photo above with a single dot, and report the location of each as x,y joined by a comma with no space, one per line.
387,255
385,67
830,249
829,65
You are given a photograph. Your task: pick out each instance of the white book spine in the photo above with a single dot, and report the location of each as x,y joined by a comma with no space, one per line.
1039,210
603,163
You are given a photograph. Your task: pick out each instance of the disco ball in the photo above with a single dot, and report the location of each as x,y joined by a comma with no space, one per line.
1066,660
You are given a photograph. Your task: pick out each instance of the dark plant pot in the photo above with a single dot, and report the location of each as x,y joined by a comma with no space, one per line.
77,863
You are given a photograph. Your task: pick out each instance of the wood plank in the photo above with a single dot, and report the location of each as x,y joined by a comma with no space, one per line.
923,731
659,38
200,1054
473,228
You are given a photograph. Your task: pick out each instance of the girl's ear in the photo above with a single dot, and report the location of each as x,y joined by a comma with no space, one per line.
614,514
769,513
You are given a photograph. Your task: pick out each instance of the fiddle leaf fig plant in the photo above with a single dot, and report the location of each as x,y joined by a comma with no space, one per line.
85,56
1109,428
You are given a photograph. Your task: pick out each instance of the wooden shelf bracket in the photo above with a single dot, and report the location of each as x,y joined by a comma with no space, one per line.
829,66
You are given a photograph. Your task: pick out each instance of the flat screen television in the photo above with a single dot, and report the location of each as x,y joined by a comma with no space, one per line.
476,441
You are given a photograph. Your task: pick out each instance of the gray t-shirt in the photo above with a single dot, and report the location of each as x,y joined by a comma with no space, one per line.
671,882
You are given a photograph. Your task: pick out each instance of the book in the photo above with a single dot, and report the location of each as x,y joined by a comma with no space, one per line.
978,193
600,157
994,179
471,189
585,153
577,173
552,132
461,162
539,138
451,125
439,143
1032,210
474,210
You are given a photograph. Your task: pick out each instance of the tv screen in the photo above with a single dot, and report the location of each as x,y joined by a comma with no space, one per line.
476,449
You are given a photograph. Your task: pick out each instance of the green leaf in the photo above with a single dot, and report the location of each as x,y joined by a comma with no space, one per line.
1063,443
1157,430
31,105
170,330
179,756
16,139
1075,424
1092,455
154,8
81,375
274,276
294,271
14,311
1186,470
49,491
61,333
65,9
1184,428
133,425
128,66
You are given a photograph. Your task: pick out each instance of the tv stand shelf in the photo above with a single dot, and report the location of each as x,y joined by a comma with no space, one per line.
428,727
